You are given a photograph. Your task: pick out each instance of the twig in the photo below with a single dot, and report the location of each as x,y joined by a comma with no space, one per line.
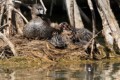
19,2
12,75
21,15
93,24
2,55
3,26
1,13
43,6
6,40
86,46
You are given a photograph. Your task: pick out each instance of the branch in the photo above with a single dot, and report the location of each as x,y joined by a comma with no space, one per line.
3,26
20,15
86,46
19,2
43,6
93,24
6,40
2,12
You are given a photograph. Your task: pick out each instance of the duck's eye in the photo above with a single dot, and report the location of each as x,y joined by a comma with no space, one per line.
39,8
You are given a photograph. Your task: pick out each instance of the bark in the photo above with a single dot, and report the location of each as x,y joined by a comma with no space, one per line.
9,6
74,14
2,12
110,25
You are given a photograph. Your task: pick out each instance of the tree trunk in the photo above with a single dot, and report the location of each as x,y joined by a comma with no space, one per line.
111,29
74,14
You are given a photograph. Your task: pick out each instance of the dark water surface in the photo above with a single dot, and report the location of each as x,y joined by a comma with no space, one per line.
94,71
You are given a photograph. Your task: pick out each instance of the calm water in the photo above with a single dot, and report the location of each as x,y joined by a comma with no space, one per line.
94,71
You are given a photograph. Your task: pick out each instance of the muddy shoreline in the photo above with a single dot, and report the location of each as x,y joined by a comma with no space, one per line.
30,62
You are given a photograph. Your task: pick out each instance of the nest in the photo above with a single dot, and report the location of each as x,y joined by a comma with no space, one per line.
44,50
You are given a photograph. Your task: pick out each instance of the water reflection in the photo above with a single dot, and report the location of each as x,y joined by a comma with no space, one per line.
89,71
94,71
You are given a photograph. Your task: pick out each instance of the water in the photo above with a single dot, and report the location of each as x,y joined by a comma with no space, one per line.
94,71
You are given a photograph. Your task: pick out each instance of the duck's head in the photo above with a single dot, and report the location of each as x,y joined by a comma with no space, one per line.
37,9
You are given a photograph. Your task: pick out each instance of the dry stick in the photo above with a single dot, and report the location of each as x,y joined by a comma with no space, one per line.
2,11
12,75
5,39
9,7
2,54
20,15
20,3
43,6
3,26
87,45
93,24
